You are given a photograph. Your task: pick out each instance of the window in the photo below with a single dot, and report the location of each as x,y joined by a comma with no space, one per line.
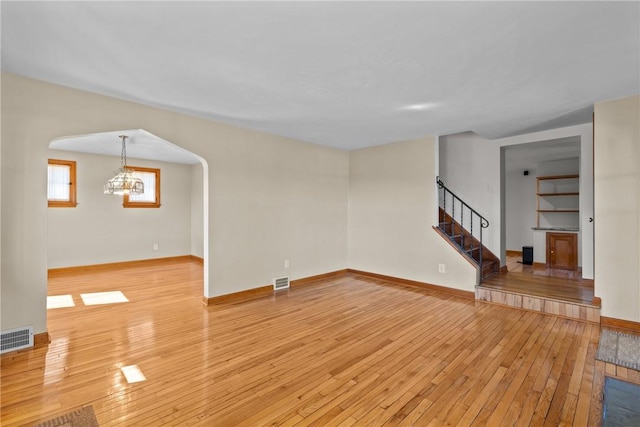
61,183
151,196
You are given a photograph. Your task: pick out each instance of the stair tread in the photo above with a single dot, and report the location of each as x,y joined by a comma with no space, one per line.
461,239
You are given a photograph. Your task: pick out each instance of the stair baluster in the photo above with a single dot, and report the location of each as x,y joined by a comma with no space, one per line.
449,219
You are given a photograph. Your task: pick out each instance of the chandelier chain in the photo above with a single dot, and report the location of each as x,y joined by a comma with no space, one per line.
123,153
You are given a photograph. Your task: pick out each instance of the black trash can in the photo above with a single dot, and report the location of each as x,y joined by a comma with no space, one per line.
527,255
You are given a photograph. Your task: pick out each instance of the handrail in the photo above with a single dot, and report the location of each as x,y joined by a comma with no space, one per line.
458,220
441,185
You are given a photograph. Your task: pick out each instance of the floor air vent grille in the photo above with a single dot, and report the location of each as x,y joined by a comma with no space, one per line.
16,339
281,283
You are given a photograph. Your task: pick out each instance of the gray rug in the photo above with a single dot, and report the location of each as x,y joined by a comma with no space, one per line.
619,348
83,417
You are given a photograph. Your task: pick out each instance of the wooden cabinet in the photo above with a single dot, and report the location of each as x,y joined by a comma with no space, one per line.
558,194
562,251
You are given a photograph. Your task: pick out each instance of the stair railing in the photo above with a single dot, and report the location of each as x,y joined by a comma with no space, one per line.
454,208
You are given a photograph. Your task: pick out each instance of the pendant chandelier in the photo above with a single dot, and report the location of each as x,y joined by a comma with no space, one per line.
124,182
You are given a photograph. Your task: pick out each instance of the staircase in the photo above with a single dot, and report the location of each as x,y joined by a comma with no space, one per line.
462,226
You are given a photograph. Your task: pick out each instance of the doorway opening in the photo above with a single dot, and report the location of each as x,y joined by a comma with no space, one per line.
100,230
543,199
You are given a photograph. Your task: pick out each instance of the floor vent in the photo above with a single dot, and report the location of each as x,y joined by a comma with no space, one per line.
16,339
281,283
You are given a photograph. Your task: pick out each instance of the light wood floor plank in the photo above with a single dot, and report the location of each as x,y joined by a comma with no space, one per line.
343,351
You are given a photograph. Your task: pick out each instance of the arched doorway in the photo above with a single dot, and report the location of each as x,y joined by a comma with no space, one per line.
100,231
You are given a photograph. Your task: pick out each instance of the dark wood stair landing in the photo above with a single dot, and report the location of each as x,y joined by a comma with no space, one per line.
539,280
542,286
541,289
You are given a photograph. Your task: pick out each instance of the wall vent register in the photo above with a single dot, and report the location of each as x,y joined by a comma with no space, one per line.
16,339
281,283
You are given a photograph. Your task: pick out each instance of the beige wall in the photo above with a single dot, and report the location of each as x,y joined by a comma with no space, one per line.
470,167
617,207
268,198
197,206
392,206
275,199
99,230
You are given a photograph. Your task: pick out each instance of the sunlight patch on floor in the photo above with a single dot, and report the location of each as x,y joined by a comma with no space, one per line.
60,301
133,374
97,298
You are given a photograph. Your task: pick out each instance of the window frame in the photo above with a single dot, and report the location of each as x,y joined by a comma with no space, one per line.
136,204
72,202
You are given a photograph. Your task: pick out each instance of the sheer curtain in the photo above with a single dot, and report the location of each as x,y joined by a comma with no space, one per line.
59,179
149,194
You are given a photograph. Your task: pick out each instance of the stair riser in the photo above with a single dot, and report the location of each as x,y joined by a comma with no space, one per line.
580,312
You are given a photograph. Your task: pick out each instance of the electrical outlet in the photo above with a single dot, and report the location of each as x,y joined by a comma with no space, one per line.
441,268
286,263
155,246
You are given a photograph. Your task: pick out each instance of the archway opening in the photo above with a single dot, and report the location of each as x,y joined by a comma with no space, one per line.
100,231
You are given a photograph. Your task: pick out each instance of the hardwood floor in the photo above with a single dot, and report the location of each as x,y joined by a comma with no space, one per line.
515,265
343,351
537,280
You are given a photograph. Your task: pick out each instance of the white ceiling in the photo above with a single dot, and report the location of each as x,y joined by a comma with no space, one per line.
342,74
527,156
140,144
